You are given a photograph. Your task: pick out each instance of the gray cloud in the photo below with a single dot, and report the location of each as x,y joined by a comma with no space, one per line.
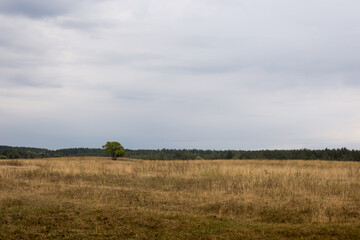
204,74
26,81
85,24
35,8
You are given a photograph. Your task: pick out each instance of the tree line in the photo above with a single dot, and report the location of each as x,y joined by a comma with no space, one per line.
342,154
26,152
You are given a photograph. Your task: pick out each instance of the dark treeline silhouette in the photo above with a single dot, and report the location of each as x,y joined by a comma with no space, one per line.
342,154
26,152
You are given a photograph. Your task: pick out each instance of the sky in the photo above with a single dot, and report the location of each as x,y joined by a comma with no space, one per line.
152,74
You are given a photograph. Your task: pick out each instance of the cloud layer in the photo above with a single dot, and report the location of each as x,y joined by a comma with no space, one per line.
205,74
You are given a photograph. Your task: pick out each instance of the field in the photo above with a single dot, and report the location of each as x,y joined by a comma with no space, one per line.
97,198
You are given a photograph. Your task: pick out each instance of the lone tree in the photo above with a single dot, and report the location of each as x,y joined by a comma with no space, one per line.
115,149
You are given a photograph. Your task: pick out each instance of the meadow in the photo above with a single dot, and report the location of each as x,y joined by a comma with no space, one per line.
97,198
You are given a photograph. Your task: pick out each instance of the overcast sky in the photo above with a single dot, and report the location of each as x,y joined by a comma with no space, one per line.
214,74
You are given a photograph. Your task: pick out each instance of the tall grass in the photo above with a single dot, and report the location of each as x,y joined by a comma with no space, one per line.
256,192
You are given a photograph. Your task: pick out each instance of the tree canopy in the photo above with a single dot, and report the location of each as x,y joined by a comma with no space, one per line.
340,154
115,149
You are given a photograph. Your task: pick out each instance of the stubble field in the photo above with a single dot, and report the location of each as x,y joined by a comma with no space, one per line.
97,198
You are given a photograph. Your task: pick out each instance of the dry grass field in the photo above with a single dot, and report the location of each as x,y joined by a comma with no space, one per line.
96,198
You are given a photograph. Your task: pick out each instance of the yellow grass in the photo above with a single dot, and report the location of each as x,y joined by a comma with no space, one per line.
97,198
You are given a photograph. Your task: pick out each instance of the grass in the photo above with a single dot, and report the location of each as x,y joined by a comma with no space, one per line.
96,198
11,162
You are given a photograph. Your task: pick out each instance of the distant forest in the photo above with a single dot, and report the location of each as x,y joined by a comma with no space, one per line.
343,154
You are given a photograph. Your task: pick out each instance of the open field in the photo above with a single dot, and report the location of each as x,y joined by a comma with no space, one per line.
96,198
